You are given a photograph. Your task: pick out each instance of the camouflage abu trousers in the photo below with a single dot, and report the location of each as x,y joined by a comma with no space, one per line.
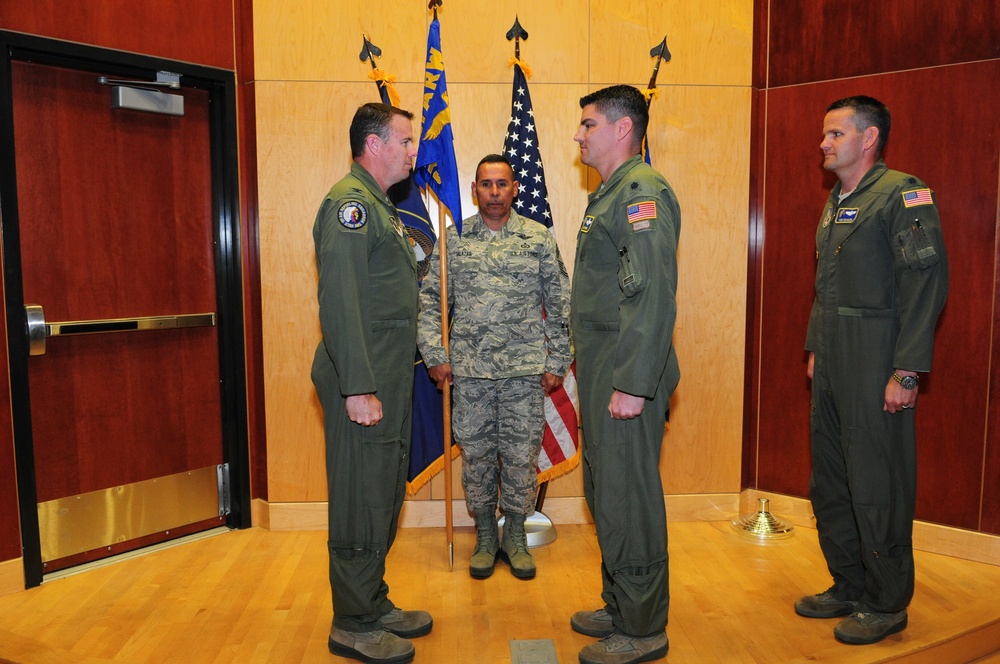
499,425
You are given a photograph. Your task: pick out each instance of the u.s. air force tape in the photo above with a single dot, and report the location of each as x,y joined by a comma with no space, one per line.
353,215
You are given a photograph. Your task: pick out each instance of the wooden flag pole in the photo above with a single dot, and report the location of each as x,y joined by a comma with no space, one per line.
446,388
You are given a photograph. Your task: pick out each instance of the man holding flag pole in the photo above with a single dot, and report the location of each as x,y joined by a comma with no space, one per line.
504,357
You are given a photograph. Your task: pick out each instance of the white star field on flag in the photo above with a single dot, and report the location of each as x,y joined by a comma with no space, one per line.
520,146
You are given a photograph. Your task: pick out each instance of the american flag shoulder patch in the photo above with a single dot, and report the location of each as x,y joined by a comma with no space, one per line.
917,197
639,211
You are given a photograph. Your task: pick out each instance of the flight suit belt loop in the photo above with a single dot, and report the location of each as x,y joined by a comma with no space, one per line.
866,313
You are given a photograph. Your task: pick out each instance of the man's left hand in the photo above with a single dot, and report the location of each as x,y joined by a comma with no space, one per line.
897,398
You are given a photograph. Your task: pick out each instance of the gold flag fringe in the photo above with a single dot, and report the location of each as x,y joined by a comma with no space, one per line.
650,93
524,66
561,468
430,471
389,81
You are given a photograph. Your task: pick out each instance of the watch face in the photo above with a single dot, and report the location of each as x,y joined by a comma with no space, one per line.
909,383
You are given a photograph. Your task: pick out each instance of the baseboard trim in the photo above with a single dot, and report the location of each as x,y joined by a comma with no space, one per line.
430,513
11,576
930,537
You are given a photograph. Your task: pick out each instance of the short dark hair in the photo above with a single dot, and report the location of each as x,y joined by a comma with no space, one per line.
868,112
372,118
494,159
619,101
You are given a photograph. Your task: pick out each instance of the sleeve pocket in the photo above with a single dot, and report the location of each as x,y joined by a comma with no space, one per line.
915,249
630,278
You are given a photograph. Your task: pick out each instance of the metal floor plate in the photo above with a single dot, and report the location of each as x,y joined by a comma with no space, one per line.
533,651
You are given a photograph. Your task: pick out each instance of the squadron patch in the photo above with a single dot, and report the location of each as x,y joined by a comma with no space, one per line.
353,215
917,197
588,221
847,215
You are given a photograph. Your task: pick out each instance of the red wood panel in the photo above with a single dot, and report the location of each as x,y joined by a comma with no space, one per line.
250,218
755,237
132,407
200,32
116,221
944,131
153,235
822,40
10,526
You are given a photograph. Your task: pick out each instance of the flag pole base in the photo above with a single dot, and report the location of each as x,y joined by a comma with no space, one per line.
538,528
761,526
451,556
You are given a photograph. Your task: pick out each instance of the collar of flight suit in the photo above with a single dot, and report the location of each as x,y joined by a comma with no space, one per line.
877,170
620,173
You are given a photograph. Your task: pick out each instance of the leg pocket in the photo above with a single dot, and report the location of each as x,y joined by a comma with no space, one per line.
380,458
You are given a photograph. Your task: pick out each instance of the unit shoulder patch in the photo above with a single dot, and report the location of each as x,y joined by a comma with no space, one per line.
353,215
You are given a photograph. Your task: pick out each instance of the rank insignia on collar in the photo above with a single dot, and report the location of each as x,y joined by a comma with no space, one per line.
588,221
847,215
353,215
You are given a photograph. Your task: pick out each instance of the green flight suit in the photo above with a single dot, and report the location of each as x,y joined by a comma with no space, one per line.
368,315
623,312
881,282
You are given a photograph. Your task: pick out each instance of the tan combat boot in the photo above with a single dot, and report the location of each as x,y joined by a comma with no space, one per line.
484,557
515,547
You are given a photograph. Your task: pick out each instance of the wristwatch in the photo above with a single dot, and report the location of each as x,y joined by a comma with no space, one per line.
908,382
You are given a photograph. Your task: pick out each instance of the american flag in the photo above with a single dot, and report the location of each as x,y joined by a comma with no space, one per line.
918,197
561,442
640,211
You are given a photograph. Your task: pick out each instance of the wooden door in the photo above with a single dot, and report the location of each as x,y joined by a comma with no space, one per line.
118,249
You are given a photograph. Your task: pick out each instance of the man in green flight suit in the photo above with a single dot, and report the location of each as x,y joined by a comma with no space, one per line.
363,373
881,282
623,308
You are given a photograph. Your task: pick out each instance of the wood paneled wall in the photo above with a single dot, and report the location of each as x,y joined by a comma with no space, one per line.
937,68
309,81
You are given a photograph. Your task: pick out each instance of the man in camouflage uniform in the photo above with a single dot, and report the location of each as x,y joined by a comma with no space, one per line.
624,308
509,346
363,374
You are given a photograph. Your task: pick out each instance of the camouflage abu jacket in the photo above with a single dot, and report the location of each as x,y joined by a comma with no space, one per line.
498,286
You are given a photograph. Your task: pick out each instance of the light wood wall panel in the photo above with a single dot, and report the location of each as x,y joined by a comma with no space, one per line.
318,40
711,42
476,47
699,136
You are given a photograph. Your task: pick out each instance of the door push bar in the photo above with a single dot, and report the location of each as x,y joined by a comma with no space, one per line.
39,330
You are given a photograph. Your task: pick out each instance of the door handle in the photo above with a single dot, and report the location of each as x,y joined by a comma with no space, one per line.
39,330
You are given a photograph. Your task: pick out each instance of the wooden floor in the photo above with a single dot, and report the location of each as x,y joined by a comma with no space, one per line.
259,596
